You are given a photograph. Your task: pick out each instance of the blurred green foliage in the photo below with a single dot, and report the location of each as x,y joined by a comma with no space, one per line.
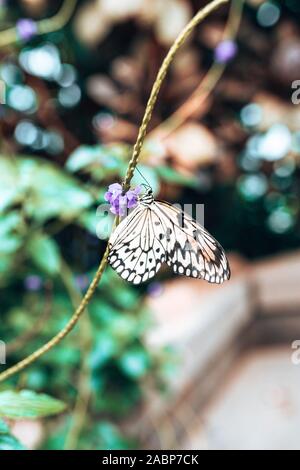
49,250
28,404
40,202
7,441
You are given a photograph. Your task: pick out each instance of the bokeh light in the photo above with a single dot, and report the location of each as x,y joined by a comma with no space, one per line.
281,220
11,73
22,98
69,96
253,187
42,61
268,14
251,115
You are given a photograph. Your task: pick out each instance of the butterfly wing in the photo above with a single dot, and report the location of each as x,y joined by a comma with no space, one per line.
191,250
137,250
159,232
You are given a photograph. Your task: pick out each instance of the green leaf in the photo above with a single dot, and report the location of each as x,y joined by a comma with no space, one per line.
105,348
97,223
99,160
9,241
9,189
82,157
8,442
9,222
108,436
135,363
6,262
89,221
4,429
50,192
45,253
123,327
125,296
9,244
28,404
170,175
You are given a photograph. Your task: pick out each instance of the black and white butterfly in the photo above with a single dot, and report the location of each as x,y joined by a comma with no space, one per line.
156,232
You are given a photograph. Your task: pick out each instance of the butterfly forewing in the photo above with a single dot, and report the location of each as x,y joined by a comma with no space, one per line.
135,251
156,232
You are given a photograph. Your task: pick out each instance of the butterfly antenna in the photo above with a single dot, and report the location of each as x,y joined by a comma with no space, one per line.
141,174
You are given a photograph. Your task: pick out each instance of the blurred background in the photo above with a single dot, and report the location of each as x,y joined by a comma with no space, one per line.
175,363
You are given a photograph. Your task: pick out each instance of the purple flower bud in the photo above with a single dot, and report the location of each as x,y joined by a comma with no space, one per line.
121,202
132,197
33,282
115,208
113,193
82,281
225,51
115,187
26,29
131,203
155,289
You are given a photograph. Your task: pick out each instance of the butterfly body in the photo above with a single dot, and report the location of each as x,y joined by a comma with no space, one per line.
156,232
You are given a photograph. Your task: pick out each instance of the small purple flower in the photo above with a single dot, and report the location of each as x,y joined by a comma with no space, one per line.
113,193
155,289
82,281
33,282
132,197
225,51
26,29
121,202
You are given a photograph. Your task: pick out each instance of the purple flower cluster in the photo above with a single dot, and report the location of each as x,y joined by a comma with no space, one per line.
33,283
225,51
26,29
121,202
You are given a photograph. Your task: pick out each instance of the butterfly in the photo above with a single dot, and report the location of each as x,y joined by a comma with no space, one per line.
156,232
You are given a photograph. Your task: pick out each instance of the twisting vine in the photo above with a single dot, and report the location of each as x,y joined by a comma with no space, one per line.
181,38
207,84
185,33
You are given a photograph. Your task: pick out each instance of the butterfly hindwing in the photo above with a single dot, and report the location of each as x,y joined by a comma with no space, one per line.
191,250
